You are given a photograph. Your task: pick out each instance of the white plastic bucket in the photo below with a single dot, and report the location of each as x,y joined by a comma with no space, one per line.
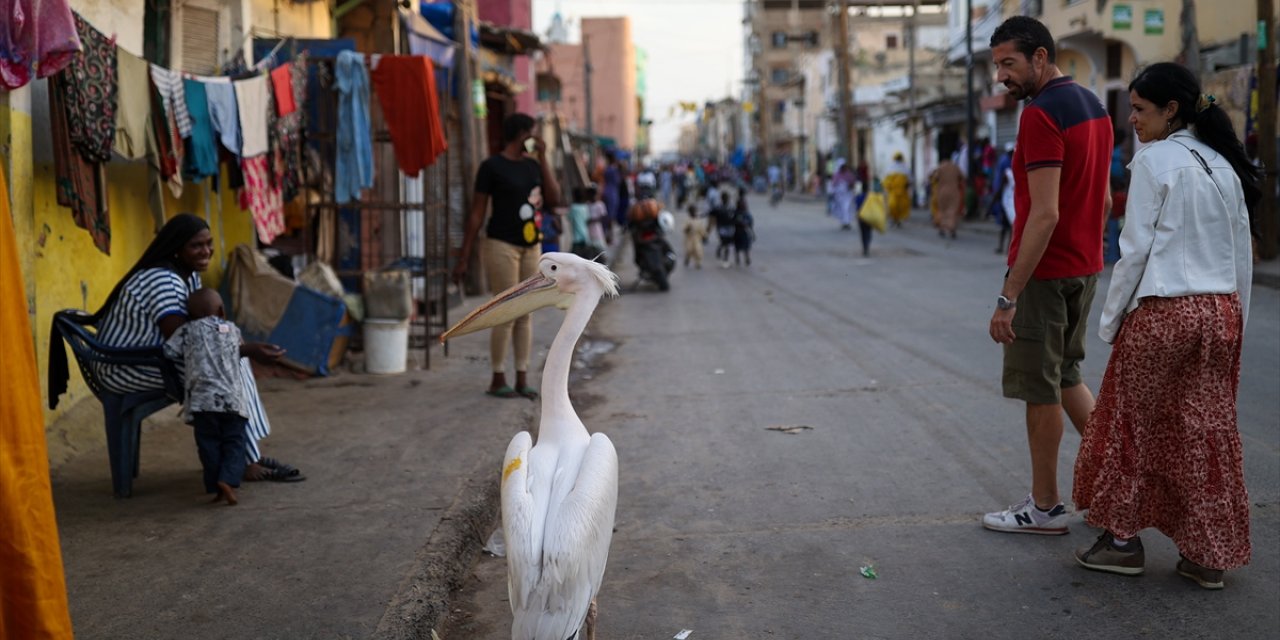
386,345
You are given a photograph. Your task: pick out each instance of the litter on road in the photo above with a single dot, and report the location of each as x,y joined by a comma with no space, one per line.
790,429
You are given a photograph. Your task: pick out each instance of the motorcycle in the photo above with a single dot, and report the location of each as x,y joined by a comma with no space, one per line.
655,259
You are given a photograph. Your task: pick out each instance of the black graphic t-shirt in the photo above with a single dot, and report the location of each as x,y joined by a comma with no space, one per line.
515,189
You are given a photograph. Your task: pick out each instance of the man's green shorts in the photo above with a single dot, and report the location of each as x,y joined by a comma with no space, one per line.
1049,326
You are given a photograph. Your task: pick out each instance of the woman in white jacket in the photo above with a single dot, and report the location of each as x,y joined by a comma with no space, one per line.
1162,448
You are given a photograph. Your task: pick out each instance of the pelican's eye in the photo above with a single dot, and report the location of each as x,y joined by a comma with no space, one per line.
553,267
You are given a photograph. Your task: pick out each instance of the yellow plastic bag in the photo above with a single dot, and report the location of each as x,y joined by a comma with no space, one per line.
873,211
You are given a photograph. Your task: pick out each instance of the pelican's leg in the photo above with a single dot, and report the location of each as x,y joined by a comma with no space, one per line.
591,621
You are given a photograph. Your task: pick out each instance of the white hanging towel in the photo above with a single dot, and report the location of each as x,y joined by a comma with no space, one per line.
253,99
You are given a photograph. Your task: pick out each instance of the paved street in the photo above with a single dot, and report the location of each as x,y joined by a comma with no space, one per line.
736,531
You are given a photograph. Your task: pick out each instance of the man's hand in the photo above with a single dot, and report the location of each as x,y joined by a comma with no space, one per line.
460,270
1002,326
261,352
539,147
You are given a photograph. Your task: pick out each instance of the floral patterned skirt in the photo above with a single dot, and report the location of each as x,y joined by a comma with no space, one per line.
1162,448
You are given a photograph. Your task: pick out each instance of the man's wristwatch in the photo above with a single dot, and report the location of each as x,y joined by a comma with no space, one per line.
1004,304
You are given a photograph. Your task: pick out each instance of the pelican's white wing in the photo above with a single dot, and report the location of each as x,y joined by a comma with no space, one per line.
518,522
575,549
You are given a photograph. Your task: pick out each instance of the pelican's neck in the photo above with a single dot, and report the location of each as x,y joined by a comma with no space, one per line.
558,418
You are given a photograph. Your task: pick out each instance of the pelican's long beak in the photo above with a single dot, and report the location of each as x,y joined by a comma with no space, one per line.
520,300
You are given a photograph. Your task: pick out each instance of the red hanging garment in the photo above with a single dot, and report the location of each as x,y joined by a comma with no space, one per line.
406,88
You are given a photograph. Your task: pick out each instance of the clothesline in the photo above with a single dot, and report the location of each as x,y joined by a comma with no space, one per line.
109,100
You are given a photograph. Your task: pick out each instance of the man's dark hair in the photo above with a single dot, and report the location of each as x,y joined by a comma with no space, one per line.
515,126
1027,34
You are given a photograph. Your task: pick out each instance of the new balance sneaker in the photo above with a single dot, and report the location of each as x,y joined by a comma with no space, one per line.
1024,517
1104,555
1203,576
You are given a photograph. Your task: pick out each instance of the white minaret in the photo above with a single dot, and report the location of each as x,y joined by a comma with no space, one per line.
558,32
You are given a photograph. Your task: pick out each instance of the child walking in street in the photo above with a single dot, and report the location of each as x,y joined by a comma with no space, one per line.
598,216
695,234
216,401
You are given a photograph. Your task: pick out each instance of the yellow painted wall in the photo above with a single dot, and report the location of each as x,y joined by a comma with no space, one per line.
69,272
1077,65
61,266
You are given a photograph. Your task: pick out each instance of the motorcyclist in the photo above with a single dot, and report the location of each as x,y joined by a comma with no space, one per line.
653,254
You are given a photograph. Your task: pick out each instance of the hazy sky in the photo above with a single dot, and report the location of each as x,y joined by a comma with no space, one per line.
694,48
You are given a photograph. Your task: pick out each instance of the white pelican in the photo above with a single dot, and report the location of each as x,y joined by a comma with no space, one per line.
558,496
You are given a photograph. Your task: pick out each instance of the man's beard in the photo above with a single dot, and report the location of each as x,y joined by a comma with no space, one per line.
1018,90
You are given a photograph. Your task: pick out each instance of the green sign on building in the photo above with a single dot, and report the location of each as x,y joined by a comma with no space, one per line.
1153,22
1122,17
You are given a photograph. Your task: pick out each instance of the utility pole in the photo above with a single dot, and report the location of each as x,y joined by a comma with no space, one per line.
910,41
470,132
842,58
586,82
970,143
1267,213
1190,39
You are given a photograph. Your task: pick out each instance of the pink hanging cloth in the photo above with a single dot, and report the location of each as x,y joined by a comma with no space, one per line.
35,36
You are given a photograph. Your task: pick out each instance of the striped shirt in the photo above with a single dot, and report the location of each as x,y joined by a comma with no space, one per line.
147,297
134,321
174,98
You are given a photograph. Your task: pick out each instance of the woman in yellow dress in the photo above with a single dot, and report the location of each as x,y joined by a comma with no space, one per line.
896,182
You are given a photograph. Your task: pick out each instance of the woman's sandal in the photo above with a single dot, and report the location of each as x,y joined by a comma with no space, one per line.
505,391
529,392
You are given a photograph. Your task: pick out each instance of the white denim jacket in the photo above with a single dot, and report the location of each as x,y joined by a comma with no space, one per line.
1186,230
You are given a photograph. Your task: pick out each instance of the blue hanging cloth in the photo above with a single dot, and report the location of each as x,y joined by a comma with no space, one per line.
354,163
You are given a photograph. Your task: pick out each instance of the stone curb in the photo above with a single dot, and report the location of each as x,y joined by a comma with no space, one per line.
442,564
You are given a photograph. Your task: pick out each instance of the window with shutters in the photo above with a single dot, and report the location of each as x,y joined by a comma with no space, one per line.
202,34
199,40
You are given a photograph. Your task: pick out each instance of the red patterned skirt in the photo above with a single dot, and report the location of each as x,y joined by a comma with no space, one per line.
1162,448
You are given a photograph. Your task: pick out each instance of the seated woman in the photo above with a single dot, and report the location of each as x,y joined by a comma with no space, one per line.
150,303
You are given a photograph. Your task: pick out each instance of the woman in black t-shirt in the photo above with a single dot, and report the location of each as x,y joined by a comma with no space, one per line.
519,183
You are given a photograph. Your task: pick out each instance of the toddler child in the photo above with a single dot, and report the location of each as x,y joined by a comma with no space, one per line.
695,234
216,400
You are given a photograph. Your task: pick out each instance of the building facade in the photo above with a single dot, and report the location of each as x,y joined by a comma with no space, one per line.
615,101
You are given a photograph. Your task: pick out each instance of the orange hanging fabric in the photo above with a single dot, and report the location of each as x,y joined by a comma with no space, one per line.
33,592
406,88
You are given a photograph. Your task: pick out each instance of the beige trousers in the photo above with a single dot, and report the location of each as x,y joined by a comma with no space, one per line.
506,264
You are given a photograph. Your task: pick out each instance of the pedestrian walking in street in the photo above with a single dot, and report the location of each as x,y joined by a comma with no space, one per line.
695,235
1162,448
842,186
551,228
598,220
612,185
148,305
871,215
216,404
897,183
585,244
723,217
744,230
1002,206
519,184
948,189
1060,166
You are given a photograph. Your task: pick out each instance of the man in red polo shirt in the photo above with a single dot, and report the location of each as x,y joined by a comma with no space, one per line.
1060,166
